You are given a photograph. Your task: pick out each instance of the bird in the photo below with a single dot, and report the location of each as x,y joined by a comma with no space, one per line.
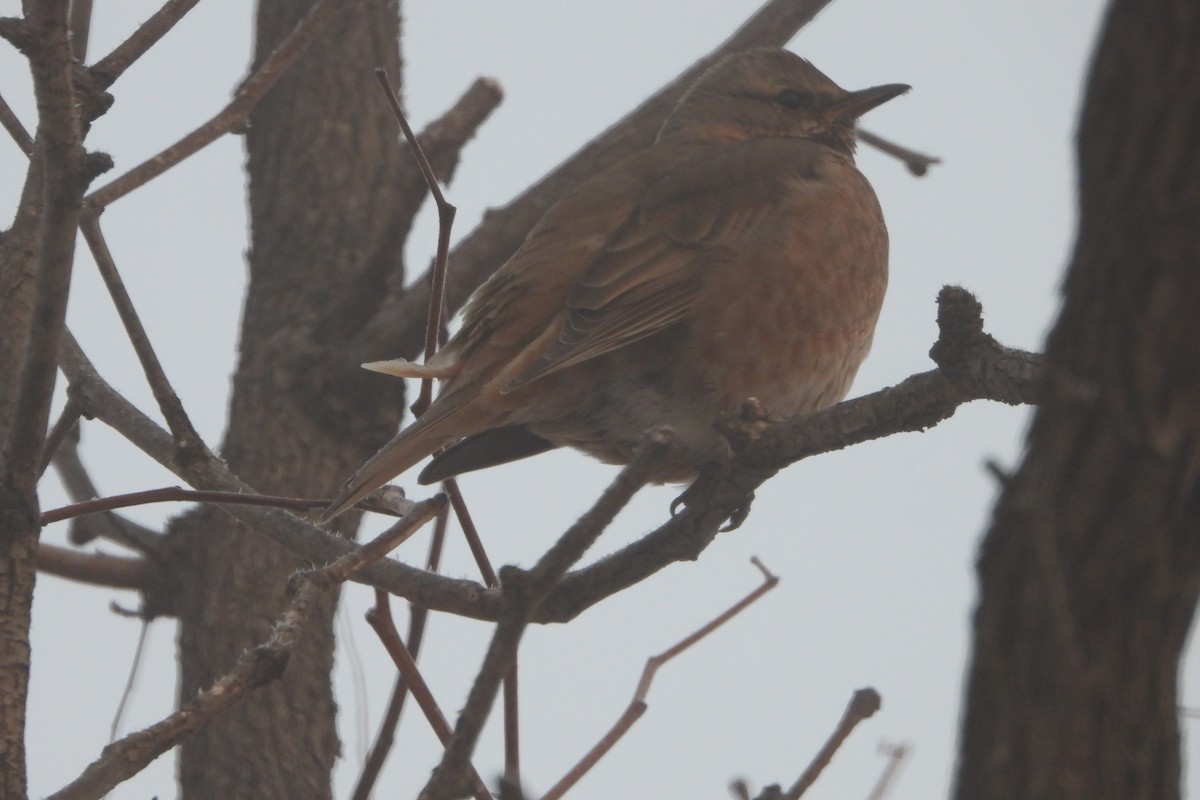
740,256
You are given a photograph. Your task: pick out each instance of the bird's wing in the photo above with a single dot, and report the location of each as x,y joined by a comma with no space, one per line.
619,259
650,270
516,314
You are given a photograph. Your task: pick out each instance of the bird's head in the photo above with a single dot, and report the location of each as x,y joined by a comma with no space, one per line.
767,92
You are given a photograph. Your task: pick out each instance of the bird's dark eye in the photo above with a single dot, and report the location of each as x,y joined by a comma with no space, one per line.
795,100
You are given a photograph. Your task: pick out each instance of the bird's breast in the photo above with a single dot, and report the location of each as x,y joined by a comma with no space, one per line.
788,313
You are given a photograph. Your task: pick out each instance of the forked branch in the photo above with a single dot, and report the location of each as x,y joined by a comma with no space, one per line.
637,707
123,759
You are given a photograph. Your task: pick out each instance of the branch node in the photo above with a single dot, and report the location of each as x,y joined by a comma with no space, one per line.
270,662
95,164
15,31
960,335
865,703
92,99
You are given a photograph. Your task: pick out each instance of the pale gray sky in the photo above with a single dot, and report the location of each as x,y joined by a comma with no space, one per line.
875,545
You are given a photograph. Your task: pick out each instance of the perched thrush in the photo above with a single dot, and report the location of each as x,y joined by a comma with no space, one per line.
741,256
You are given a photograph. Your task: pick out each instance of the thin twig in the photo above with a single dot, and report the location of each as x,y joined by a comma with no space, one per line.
178,494
446,212
896,754
112,66
8,118
637,707
350,564
130,681
380,618
186,438
211,473
918,163
459,504
522,592
433,330
511,689
417,617
68,418
442,140
863,705
265,663
99,569
385,738
247,96
81,27
510,694
80,488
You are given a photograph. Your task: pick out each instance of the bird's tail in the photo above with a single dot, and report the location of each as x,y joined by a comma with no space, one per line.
408,447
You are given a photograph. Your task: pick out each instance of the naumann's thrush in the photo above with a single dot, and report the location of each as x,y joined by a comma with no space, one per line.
741,256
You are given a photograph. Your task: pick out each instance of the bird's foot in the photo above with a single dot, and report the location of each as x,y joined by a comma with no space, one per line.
697,495
739,515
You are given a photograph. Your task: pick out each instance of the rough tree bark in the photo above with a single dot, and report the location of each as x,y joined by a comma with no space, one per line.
324,181
1091,571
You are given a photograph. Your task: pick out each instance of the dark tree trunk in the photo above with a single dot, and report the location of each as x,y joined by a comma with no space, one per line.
1091,570
323,166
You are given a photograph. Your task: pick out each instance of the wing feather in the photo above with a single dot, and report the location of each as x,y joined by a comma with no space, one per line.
652,268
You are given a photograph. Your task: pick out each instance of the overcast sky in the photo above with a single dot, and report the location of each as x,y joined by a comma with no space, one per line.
875,546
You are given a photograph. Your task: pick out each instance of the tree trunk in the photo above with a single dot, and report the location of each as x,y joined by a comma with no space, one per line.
1091,571
323,169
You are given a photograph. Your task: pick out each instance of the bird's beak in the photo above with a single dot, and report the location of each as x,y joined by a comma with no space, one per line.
855,104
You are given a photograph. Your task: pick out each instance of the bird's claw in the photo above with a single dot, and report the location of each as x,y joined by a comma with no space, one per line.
693,496
739,515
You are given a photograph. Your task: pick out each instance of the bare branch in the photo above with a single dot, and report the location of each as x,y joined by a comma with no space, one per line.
252,90
417,618
95,568
443,139
105,403
81,28
80,488
974,367
521,593
863,705
8,118
918,163
482,562
895,755
125,758
36,321
182,430
374,278
353,562
66,424
434,324
446,212
637,707
127,692
512,728
511,708
380,618
112,66
177,494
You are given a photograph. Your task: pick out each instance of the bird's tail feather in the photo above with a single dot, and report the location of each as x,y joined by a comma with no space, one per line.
406,449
